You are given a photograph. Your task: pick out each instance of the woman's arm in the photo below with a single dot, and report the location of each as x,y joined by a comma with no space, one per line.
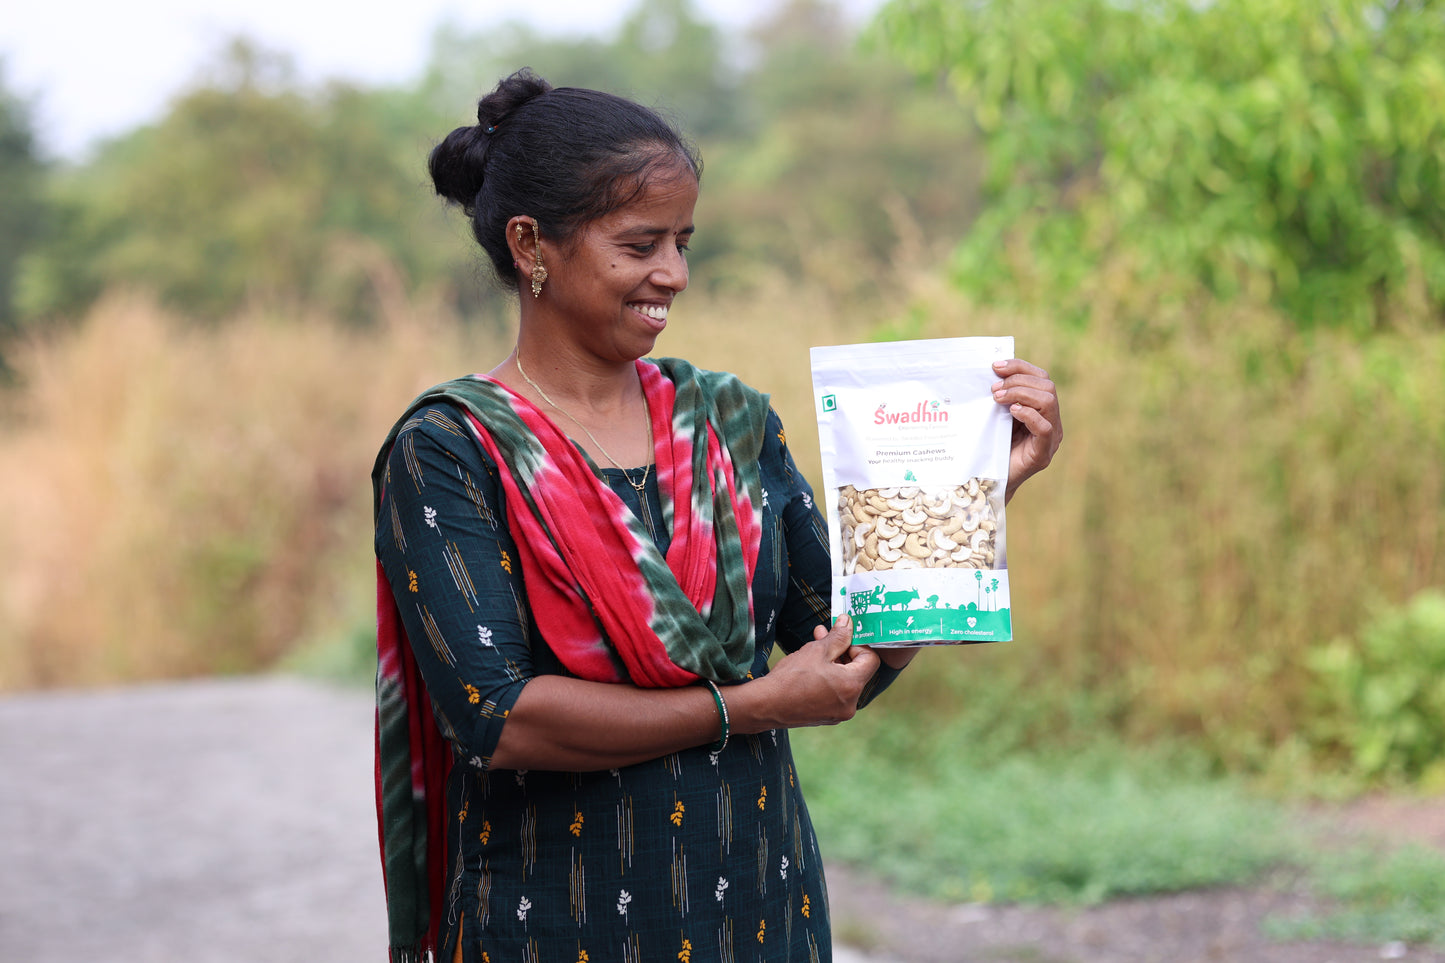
574,725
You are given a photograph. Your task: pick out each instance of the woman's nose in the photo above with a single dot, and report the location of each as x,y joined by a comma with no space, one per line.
672,272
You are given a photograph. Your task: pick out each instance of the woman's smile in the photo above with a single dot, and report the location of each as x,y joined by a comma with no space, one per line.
657,312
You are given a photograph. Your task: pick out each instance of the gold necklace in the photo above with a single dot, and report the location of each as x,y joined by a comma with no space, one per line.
638,487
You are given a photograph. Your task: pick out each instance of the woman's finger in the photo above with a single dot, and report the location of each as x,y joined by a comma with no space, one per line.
1032,418
863,660
1041,398
1018,366
840,639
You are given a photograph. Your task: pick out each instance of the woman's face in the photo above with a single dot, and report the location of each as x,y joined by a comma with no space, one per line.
612,285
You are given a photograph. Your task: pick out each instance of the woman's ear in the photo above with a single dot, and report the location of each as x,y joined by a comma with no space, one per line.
522,241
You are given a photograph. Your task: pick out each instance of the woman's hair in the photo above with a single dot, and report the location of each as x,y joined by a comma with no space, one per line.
561,155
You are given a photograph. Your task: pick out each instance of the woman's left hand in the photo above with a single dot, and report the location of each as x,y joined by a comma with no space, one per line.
1033,401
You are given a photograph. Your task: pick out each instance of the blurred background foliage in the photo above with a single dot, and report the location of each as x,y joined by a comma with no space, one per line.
255,189
1219,227
1292,151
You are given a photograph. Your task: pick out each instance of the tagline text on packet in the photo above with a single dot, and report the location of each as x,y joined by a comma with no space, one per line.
919,455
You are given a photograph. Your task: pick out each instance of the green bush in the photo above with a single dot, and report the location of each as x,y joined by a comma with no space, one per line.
1379,702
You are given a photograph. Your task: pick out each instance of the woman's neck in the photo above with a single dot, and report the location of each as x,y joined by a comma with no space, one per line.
578,388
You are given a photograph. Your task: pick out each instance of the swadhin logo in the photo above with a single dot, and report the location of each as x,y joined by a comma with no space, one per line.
830,402
921,412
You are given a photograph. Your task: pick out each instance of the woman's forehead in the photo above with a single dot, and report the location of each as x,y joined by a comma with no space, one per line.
660,194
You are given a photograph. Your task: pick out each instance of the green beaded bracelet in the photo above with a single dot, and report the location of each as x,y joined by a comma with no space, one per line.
722,711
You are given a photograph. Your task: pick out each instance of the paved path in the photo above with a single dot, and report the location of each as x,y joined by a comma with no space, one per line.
217,821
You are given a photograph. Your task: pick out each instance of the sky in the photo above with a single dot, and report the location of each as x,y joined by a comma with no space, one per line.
93,69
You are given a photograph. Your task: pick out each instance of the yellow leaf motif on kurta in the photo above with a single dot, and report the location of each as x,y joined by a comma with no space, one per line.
677,810
473,696
685,954
806,910
506,563
763,798
762,929
411,576
576,828
486,832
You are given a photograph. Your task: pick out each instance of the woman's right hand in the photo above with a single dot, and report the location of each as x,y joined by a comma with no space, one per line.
818,685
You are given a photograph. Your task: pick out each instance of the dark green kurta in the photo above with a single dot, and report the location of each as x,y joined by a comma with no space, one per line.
693,857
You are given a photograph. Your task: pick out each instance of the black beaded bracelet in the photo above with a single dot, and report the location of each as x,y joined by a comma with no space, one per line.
722,711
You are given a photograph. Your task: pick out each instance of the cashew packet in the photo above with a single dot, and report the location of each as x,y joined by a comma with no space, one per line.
915,464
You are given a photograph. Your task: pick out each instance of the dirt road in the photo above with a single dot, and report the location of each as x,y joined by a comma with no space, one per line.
212,822
230,821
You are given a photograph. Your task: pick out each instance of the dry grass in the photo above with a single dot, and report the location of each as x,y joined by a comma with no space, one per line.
188,500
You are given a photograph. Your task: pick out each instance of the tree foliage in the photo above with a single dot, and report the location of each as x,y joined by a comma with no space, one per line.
663,54
1292,150
844,166
249,189
253,188
22,207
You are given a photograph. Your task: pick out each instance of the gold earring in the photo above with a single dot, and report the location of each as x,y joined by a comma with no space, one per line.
539,270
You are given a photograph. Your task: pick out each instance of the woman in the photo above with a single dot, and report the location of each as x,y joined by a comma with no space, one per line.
585,561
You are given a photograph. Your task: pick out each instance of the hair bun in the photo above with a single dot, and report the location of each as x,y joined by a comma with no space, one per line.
512,92
458,163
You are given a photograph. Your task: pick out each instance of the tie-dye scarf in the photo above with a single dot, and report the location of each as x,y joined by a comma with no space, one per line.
606,601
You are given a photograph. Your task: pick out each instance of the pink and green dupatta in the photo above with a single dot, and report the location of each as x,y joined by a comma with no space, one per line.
610,606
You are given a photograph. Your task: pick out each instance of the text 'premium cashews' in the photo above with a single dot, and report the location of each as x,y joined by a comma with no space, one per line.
915,464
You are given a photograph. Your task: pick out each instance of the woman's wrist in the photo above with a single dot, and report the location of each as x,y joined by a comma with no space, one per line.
723,722
746,705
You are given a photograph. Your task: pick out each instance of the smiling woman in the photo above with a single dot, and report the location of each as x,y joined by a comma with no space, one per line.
590,645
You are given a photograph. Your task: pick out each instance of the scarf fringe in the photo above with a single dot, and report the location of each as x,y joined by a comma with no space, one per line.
410,954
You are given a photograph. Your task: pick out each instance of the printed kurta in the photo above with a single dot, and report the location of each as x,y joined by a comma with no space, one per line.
691,857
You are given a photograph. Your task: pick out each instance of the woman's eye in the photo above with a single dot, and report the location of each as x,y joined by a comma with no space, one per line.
644,248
